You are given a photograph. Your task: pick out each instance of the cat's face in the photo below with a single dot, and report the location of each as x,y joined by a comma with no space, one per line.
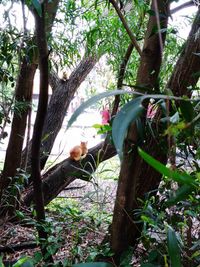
84,144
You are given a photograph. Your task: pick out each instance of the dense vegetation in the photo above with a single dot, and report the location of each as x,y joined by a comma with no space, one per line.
154,129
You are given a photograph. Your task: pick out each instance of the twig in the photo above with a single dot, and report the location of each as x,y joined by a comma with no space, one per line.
74,188
158,25
178,8
128,30
121,77
17,247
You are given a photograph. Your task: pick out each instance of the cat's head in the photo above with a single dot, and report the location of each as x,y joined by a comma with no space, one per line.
84,144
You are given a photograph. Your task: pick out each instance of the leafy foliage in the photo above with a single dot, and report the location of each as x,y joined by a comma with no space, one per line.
176,240
168,217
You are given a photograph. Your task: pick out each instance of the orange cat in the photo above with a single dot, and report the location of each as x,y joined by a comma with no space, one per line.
79,152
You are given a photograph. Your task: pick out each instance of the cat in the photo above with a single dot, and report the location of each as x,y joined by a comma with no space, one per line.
79,152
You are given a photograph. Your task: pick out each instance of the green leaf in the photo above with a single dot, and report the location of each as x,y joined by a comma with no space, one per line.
97,126
183,178
93,264
20,214
173,248
37,6
129,113
90,102
1,262
98,97
24,262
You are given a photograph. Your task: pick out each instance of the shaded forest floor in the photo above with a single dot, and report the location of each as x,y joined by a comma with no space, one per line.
78,221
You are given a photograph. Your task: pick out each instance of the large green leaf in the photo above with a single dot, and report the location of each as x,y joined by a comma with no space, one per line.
128,114
98,97
1,262
93,264
183,178
92,101
24,262
173,248
37,6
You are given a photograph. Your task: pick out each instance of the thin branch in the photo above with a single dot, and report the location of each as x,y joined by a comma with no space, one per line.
24,18
189,124
128,30
158,25
16,247
178,8
27,149
122,70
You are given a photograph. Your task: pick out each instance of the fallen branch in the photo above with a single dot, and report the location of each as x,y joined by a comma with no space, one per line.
16,247
61,175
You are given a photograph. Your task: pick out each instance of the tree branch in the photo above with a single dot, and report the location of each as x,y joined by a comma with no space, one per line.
61,175
178,8
187,67
122,70
54,80
128,30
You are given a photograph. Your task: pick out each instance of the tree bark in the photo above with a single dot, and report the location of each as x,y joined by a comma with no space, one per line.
133,174
136,177
62,174
37,131
186,72
23,93
122,71
59,103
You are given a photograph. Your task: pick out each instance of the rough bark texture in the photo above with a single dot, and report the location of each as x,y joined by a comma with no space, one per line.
61,175
42,47
23,93
151,58
136,177
186,73
40,117
59,103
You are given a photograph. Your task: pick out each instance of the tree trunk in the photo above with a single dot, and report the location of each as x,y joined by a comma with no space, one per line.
61,175
43,54
186,72
59,103
133,174
136,177
23,94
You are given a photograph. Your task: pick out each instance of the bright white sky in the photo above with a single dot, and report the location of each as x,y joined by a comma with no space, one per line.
180,19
